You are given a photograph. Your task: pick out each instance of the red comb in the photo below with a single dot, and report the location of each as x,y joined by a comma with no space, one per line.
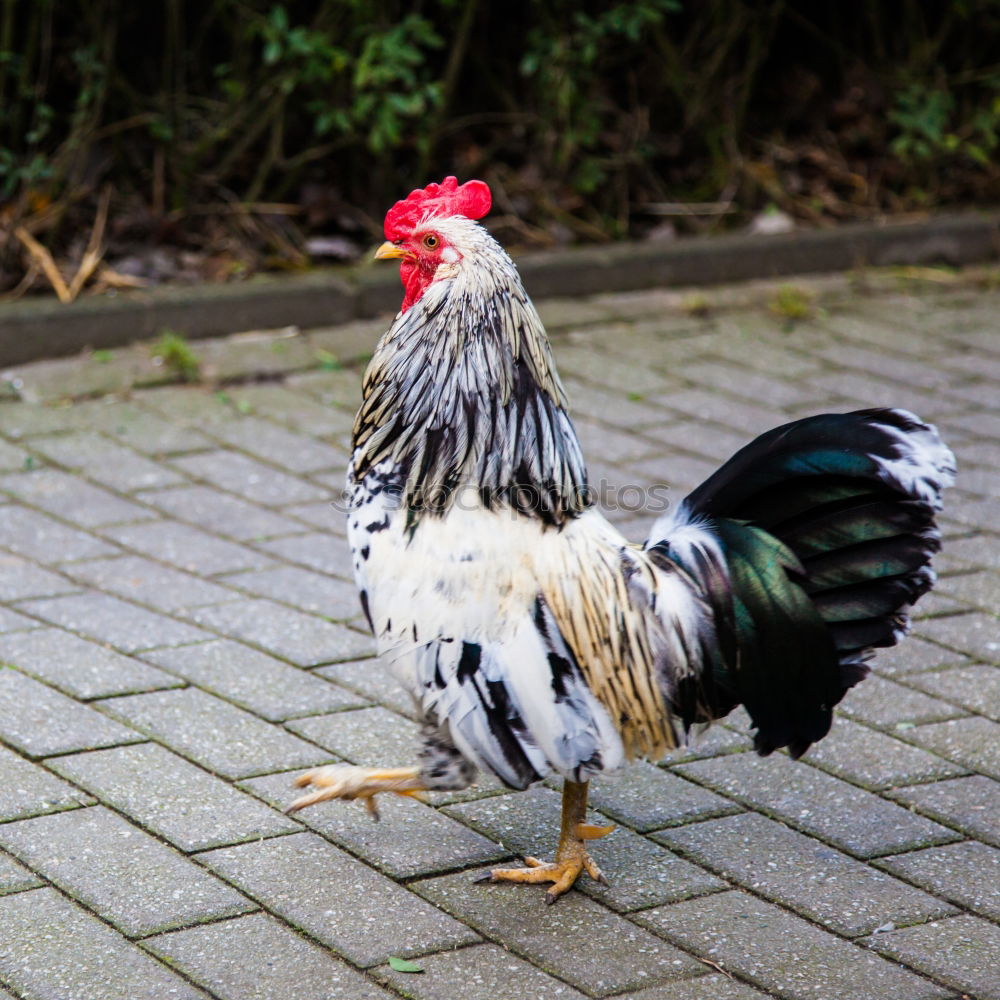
472,199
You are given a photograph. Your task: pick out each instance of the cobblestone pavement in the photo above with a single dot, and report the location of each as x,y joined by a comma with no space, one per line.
181,637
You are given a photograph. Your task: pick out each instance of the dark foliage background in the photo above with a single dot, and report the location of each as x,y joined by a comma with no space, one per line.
211,138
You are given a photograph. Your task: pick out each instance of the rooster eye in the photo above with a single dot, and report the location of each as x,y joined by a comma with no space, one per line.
430,241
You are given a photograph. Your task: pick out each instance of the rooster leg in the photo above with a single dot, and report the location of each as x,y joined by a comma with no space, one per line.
344,781
571,854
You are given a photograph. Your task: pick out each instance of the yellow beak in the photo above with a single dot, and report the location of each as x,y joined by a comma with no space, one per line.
389,251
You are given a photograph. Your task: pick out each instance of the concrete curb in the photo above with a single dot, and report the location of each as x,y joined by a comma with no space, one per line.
31,330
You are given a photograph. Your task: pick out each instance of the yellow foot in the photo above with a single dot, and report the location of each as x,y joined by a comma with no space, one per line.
345,781
571,859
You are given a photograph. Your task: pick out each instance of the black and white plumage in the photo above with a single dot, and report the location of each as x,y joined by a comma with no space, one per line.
532,635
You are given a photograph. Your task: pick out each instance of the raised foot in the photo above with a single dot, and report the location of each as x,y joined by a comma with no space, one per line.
345,781
571,859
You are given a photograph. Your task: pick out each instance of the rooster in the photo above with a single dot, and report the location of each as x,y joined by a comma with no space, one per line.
533,637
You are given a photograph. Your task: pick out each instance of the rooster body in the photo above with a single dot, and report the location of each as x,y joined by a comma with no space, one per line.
532,635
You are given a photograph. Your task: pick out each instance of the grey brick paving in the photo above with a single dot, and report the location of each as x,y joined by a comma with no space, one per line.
791,868
29,790
259,958
189,807
781,952
970,804
483,972
78,666
876,760
40,721
177,562
253,680
53,950
853,819
968,874
247,478
67,497
14,877
20,579
138,884
221,512
187,547
118,623
38,536
963,952
611,954
215,734
301,638
146,582
337,899
639,873
409,839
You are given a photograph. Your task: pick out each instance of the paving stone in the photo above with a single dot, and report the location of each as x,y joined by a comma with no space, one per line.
215,734
981,590
247,478
646,797
978,550
253,680
337,899
186,547
300,638
284,404
966,873
409,839
373,680
71,498
370,737
14,877
258,958
20,579
78,667
888,705
40,721
54,950
292,451
11,621
319,551
107,619
136,883
12,458
972,742
783,953
803,874
483,972
968,804
712,987
855,820
182,803
139,428
326,515
28,790
106,461
304,589
640,873
714,742
220,512
913,655
976,687
38,536
978,635
963,952
146,582
613,955
874,759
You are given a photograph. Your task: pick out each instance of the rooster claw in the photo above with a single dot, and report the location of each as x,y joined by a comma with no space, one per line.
484,877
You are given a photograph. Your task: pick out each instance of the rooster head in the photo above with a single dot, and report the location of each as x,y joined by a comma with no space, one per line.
419,236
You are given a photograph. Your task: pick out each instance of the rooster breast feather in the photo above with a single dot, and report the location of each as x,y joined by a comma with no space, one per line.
539,648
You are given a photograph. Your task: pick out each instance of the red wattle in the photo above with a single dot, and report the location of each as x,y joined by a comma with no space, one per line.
415,282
